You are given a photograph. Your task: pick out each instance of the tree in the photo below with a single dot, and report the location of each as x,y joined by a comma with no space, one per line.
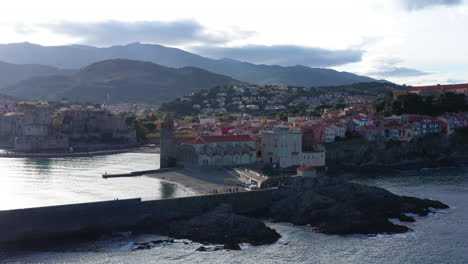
150,126
451,102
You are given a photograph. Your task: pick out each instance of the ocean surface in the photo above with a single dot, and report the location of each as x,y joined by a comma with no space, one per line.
438,238
32,182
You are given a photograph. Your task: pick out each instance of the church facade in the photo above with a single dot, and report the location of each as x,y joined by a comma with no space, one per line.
217,151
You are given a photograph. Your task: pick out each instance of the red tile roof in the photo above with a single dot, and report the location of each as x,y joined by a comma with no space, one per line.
216,139
437,87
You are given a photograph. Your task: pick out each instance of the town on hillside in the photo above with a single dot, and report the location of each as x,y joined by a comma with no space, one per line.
263,140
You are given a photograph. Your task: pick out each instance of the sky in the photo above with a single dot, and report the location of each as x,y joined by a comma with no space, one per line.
415,42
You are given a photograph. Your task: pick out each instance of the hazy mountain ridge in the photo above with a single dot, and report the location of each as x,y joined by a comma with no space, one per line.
13,73
77,56
119,80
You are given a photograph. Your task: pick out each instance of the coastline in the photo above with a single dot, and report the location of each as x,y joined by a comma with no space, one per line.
77,154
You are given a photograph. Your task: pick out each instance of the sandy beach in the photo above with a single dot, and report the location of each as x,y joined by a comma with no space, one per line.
201,181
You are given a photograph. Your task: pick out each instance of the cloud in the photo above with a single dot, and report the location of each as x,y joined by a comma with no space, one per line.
119,32
413,5
190,33
399,72
285,55
452,81
389,68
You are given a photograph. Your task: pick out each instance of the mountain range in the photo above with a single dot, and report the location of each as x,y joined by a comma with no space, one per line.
119,80
78,56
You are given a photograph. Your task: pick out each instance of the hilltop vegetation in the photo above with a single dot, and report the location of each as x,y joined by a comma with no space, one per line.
268,96
423,105
115,81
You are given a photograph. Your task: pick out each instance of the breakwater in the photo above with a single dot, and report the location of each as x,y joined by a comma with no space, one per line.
140,173
58,222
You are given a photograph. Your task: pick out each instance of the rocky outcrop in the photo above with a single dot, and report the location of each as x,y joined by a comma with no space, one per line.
217,248
222,226
336,207
329,205
430,151
150,244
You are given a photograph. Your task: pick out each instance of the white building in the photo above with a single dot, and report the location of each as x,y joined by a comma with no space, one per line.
208,121
252,107
283,147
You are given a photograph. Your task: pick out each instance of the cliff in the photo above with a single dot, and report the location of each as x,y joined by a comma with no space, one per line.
422,152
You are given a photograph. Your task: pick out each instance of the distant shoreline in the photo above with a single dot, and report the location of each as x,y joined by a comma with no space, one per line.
77,154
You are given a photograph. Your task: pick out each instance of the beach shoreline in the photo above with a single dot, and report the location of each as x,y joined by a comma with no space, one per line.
200,181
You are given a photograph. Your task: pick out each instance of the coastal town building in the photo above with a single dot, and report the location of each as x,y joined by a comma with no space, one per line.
398,133
10,127
37,132
217,151
435,90
283,147
36,127
91,125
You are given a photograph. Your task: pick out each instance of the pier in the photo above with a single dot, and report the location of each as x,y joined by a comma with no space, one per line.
139,173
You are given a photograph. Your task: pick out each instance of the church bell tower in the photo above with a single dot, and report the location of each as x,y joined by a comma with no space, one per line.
167,144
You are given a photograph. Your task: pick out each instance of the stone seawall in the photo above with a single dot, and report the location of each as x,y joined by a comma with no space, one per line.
57,222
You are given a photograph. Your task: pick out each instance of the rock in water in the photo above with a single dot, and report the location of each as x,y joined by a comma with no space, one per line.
222,226
202,249
337,207
232,246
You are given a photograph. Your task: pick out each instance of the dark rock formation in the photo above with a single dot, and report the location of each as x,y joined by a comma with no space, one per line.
151,244
431,151
222,226
337,207
216,248
329,205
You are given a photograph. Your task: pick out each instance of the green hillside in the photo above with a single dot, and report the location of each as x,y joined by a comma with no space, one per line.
117,81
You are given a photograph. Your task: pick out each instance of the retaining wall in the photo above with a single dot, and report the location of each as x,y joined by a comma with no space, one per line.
53,222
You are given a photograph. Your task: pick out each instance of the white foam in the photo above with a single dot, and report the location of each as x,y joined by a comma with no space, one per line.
411,215
129,245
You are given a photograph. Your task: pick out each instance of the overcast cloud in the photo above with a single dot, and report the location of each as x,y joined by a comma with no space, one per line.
285,55
399,72
119,32
412,5
189,32
391,67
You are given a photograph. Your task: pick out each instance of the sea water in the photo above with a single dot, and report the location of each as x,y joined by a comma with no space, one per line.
436,239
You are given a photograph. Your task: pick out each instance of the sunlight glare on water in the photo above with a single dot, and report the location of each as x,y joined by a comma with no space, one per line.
32,182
